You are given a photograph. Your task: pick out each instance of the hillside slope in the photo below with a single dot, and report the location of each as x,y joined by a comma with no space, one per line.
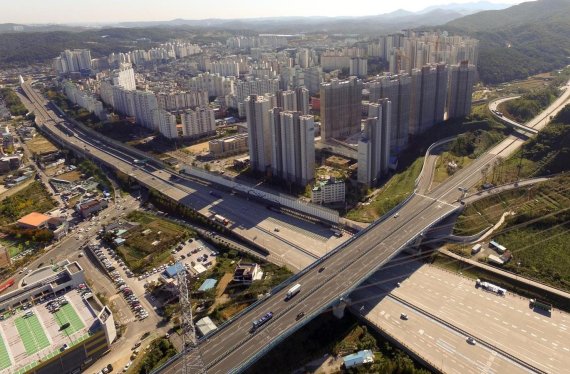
519,41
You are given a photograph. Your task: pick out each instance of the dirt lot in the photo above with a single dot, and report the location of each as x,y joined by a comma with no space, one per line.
40,145
197,148
72,176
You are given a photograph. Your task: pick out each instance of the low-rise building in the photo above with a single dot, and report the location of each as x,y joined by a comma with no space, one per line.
34,220
330,190
247,273
205,326
90,207
69,352
230,145
10,163
363,357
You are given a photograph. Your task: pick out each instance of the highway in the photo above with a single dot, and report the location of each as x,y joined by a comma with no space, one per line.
233,347
462,310
509,122
297,244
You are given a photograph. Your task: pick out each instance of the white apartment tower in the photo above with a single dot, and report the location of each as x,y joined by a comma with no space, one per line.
166,123
198,122
461,89
374,144
293,146
125,77
259,131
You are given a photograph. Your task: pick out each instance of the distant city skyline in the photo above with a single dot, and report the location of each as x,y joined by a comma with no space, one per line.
112,11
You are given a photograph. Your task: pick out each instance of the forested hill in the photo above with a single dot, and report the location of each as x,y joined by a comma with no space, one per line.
519,41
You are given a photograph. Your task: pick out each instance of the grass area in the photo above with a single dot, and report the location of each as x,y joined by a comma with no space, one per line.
4,357
240,296
32,334
486,212
538,233
139,252
442,171
68,314
396,190
40,145
33,198
328,335
158,352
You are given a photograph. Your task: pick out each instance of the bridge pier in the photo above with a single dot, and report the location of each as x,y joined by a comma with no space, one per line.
339,307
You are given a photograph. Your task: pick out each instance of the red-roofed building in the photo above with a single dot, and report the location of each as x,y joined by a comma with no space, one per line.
34,220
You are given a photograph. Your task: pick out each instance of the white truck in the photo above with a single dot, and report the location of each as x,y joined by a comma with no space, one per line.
293,291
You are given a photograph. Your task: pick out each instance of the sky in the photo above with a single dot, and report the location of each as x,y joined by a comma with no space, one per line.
105,11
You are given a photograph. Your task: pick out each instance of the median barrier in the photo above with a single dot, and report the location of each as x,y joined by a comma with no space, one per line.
465,333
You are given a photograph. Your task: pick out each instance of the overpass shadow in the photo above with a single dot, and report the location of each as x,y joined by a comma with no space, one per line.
247,212
384,281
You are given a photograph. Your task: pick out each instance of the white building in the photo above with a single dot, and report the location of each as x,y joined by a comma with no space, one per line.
358,67
198,122
254,87
374,143
327,191
166,123
293,146
259,131
124,77
214,84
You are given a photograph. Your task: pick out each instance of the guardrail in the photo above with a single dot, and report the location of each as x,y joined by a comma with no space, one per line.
428,151
284,335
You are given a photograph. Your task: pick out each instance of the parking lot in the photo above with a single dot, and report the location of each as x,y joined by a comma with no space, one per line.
119,273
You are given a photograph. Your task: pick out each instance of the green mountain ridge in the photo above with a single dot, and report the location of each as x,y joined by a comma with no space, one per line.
519,41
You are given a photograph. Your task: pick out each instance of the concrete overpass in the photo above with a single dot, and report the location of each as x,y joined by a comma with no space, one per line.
232,348
493,105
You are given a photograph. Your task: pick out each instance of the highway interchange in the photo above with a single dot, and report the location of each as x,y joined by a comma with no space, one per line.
233,348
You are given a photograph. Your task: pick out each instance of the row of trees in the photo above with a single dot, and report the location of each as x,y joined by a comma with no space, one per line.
13,102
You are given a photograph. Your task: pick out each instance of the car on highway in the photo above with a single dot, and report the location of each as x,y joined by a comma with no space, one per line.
300,315
321,269
261,321
404,316
471,341
396,215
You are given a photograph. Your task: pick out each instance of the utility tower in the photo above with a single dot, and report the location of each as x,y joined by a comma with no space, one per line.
192,358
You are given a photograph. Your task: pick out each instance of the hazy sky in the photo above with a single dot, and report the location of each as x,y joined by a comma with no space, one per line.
101,11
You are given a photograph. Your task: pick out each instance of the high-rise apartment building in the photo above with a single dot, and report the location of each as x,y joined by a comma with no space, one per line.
144,104
166,123
396,88
254,87
358,67
214,84
461,89
427,98
374,143
198,122
73,61
124,77
293,146
259,132
340,108
296,101
441,89
313,78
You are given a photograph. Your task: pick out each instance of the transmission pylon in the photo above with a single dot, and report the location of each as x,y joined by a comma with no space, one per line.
192,358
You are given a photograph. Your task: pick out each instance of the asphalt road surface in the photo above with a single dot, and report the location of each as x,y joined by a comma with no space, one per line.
233,348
